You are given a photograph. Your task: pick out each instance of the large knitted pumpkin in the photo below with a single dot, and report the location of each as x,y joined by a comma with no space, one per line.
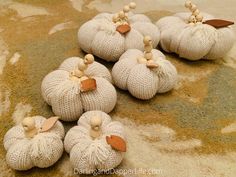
96,143
79,85
108,36
144,74
195,36
36,142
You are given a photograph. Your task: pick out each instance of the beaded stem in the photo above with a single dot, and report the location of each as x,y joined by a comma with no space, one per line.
82,66
95,130
30,129
148,56
195,17
121,18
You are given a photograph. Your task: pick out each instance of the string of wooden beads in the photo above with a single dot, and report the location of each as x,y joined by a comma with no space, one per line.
121,18
82,66
148,56
195,17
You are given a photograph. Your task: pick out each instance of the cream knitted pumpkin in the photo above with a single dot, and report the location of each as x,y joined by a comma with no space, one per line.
96,143
37,142
144,74
108,36
191,37
79,85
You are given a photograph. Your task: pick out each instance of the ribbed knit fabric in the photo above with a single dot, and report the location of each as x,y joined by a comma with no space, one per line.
88,155
141,81
64,94
99,36
194,42
43,150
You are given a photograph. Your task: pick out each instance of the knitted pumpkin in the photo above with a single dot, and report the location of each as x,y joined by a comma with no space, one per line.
37,142
108,36
96,143
144,74
79,85
195,36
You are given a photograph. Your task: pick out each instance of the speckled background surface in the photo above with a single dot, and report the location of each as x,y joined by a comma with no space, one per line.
188,132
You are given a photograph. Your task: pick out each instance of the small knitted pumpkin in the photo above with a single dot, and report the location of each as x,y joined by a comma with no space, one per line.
79,85
195,36
144,74
36,142
108,36
96,143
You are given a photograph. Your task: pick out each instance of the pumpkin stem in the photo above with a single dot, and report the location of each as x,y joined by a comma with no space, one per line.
121,18
30,129
95,130
195,17
82,66
148,56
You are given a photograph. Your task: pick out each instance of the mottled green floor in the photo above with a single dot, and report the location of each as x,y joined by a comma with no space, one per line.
188,132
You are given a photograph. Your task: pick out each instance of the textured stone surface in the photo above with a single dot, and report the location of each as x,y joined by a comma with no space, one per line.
188,132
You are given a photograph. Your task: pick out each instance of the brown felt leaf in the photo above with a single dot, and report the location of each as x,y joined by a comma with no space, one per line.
88,85
49,123
123,29
116,143
217,23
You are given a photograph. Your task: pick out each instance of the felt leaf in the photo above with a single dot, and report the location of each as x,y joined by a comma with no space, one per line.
88,85
48,124
123,29
217,23
116,143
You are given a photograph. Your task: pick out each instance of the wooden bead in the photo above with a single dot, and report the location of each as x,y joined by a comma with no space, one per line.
148,48
126,9
95,130
96,122
196,12
148,55
142,60
193,7
28,123
121,14
192,18
78,73
82,66
115,18
199,18
88,59
188,4
132,5
147,40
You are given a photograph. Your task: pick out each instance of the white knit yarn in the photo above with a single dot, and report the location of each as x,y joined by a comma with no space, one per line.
64,95
141,81
99,36
194,42
43,150
88,155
